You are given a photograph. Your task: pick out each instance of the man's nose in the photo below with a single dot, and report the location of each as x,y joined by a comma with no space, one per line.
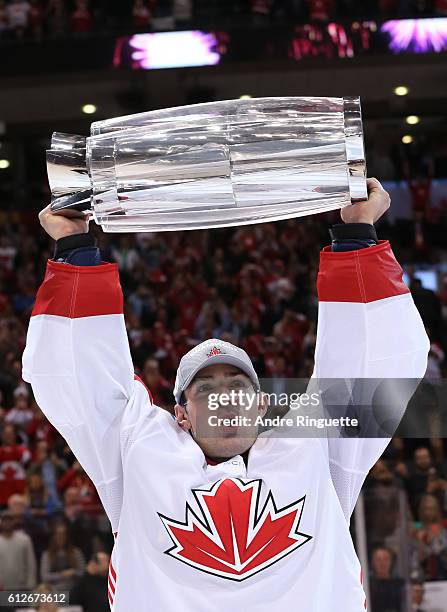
228,410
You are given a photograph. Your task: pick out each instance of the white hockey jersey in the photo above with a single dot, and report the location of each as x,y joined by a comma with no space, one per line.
272,536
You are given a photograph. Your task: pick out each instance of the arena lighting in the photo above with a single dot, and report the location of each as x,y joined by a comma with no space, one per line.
401,90
89,109
417,35
4,164
412,120
407,139
175,49
244,97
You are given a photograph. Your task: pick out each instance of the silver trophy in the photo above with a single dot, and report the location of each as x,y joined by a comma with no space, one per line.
212,165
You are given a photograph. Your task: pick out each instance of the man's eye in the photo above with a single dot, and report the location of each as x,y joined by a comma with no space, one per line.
238,384
204,388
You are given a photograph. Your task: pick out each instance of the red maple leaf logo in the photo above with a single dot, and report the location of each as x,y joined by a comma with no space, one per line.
234,539
214,351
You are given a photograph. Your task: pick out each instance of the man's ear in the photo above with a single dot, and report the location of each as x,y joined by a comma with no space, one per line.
182,418
263,403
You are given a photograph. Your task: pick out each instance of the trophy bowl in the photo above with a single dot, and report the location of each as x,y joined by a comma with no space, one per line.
211,165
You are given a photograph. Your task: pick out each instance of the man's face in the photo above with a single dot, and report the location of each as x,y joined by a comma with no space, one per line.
417,594
151,370
429,509
21,403
9,435
381,562
42,450
382,473
7,524
71,496
422,458
221,392
17,505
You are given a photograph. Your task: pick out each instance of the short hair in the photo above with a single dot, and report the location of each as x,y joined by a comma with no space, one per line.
386,549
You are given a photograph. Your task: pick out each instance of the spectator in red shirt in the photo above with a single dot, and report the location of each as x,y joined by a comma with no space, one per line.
182,344
160,388
272,349
13,458
164,347
81,18
254,341
292,328
40,428
76,477
188,308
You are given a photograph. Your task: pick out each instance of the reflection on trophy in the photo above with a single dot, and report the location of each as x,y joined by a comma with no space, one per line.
212,165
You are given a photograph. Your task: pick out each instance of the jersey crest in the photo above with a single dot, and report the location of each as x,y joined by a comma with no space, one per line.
233,537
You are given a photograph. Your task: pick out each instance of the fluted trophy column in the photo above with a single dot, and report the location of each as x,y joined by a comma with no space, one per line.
212,165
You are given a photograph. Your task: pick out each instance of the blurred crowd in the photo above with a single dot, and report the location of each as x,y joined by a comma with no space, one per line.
253,286
56,18
424,157
406,520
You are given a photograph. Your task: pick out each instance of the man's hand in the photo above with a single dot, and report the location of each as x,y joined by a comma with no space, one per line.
58,226
370,211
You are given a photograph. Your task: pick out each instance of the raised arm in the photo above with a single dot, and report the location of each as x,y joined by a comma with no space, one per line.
369,330
78,361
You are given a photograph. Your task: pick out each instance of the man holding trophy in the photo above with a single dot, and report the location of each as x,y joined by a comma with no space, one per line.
212,517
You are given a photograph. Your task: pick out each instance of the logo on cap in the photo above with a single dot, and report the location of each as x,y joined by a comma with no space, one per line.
214,351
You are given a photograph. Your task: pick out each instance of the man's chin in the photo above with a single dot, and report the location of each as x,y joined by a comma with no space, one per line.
227,447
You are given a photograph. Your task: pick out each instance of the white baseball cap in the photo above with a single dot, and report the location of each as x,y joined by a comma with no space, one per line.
208,353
